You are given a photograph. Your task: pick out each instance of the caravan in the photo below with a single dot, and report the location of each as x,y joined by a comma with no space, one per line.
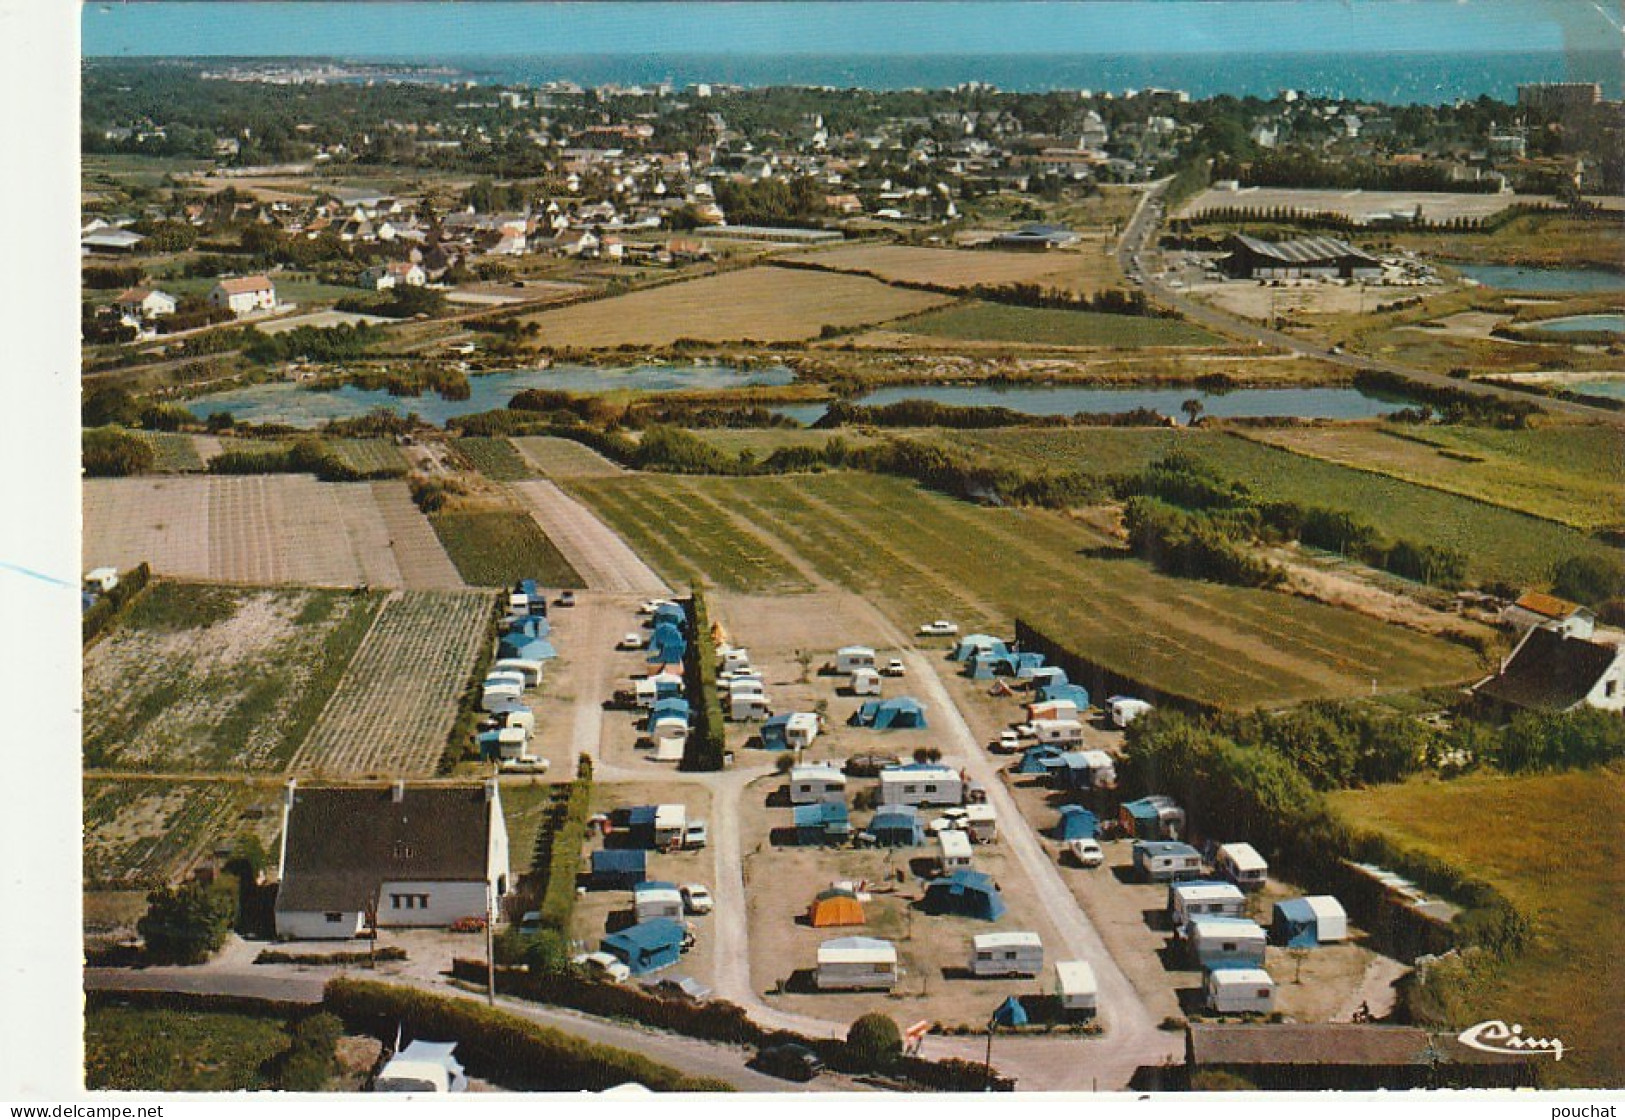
849,659
1007,954
856,964
1242,865
1234,991
815,782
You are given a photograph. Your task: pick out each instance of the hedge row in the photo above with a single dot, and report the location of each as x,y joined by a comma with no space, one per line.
707,741
109,606
502,1047
567,834
304,456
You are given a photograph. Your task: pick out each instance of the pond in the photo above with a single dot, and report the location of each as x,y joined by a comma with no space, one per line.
1524,279
285,402
1581,324
1322,402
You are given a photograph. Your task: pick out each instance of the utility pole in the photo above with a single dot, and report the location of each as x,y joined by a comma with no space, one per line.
490,955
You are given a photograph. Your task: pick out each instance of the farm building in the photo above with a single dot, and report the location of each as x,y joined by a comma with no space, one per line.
1161,861
648,946
653,899
411,856
243,295
900,713
1303,923
1549,671
1076,823
1152,818
1201,898
921,783
1076,988
1088,770
1536,608
971,894
953,850
1226,942
849,659
856,963
1235,991
978,645
865,682
835,908
1348,1056
1242,865
1252,258
825,822
816,781
793,731
897,826
1015,953
618,868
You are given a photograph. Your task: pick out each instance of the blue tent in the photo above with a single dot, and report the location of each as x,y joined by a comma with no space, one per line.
1075,771
1010,1013
669,614
1295,924
525,649
1076,823
891,715
967,647
618,868
1039,760
967,893
672,707
897,826
1048,676
979,669
530,626
823,823
666,645
1073,692
1145,816
647,946
639,822
774,733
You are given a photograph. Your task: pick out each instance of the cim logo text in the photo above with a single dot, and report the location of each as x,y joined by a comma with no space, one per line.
1495,1037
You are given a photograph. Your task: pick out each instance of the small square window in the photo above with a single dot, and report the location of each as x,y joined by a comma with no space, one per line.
334,917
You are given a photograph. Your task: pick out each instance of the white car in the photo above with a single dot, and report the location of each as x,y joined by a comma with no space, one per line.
524,764
941,628
894,668
630,641
952,820
649,606
697,899
1008,742
1086,852
603,964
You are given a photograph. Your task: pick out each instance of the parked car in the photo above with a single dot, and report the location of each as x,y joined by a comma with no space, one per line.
1008,742
695,835
1086,852
630,641
649,606
531,922
604,965
697,899
791,1061
894,668
869,765
566,599
524,764
941,628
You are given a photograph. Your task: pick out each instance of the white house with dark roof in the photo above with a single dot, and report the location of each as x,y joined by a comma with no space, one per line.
1554,671
421,856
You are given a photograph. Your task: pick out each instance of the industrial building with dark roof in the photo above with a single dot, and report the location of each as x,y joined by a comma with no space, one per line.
1254,258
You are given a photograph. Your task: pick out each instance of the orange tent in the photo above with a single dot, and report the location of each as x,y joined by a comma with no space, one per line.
835,908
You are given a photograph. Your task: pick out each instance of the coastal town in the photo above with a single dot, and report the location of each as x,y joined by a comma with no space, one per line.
718,587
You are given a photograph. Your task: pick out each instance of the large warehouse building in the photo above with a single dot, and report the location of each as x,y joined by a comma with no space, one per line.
1254,259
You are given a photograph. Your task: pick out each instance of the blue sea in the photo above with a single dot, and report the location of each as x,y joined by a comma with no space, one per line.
1397,51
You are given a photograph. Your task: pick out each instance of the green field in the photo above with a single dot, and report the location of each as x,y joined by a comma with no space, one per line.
169,1051
143,834
171,451
494,458
1499,544
559,458
1570,473
997,322
204,677
525,807
496,547
764,441
368,456
1555,845
920,556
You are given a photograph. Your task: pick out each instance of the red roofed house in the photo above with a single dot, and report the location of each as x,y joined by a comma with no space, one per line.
1536,608
244,295
145,303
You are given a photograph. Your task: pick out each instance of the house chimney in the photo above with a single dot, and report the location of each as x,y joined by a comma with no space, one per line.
397,792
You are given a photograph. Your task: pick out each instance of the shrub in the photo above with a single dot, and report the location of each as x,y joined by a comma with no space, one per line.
111,453
706,748
109,606
186,924
873,1042
1589,579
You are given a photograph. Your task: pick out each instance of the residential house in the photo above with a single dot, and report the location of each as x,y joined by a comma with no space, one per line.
1536,608
1553,671
244,295
394,274
145,303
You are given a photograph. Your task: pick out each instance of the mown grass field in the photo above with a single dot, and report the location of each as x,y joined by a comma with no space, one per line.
564,458
1556,845
367,455
205,677
1570,473
762,442
1087,269
171,451
756,304
494,458
1500,544
164,1050
1034,326
921,556
495,547
525,807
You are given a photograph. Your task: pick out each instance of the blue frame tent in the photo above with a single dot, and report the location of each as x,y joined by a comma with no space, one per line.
532,591
672,707
669,614
971,894
666,645
825,822
897,826
1039,760
618,868
896,714
648,946
1297,922
520,647
1048,676
774,733
1076,823
1010,1013
968,646
979,668
1073,692
531,626
1018,665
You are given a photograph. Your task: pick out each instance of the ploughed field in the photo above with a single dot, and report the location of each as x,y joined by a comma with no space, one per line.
920,556
1556,847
